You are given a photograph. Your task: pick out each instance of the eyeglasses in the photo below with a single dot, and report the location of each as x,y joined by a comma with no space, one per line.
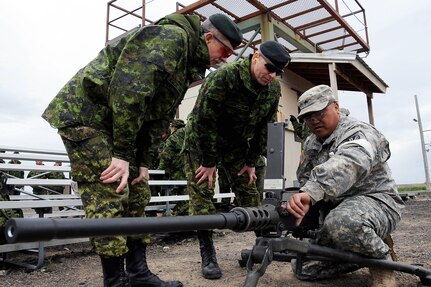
318,116
227,52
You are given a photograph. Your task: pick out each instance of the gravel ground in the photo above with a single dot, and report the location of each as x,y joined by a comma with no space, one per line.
178,259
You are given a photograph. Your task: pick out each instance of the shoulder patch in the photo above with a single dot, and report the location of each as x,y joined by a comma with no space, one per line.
359,142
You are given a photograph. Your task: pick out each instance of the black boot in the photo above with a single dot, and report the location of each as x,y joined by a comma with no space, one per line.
137,268
113,272
210,268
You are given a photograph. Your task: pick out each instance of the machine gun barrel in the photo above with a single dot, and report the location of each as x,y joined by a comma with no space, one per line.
42,229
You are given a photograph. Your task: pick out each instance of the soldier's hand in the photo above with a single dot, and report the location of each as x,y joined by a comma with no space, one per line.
143,174
293,118
251,171
298,205
203,173
117,169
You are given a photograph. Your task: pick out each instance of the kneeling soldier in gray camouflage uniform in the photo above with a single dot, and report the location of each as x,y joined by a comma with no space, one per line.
228,126
345,163
111,114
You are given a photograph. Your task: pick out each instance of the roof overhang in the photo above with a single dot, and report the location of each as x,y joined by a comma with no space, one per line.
352,73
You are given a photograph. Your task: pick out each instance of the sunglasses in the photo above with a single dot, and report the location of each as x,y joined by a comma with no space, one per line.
273,69
227,52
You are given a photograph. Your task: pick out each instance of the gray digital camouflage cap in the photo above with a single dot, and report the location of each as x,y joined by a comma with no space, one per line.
315,99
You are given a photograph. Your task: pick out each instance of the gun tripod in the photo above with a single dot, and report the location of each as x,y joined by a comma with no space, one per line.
285,249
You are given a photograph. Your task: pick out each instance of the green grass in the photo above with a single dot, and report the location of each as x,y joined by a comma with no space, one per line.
411,187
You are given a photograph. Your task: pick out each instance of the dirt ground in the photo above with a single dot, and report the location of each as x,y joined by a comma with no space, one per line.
76,265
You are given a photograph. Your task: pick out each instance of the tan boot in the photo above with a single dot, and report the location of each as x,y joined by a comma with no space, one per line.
382,277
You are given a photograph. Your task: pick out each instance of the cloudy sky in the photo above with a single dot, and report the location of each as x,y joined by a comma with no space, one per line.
43,43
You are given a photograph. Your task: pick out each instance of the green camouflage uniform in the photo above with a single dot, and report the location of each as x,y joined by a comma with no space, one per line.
349,169
301,131
119,105
6,214
39,190
15,174
173,164
46,175
225,186
228,125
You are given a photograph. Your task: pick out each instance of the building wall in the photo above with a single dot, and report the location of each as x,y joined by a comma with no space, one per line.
292,86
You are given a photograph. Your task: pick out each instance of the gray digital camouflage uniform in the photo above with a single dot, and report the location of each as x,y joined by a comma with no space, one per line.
350,170
228,125
119,105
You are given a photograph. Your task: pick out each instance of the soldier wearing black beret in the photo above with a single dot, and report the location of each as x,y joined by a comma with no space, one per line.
227,130
110,116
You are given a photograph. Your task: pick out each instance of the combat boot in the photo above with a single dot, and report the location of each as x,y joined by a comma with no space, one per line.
137,268
382,277
113,272
210,268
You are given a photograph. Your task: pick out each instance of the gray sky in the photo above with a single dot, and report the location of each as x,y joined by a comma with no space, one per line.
44,43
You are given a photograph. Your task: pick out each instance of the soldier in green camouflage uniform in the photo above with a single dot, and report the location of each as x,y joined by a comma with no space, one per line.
300,129
111,114
173,164
345,164
40,190
228,125
6,214
15,174
225,186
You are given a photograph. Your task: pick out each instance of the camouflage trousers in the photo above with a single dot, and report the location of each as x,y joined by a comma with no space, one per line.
90,152
201,196
357,224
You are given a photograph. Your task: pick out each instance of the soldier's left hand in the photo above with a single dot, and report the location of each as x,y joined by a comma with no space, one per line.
251,171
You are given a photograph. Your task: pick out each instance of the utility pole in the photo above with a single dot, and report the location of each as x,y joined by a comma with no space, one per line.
424,153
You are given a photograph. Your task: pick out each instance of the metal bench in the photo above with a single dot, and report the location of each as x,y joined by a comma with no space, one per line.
71,203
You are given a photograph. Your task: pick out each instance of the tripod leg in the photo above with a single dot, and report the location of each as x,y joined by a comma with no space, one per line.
262,254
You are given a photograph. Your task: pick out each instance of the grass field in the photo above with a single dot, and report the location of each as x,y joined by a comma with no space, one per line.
411,187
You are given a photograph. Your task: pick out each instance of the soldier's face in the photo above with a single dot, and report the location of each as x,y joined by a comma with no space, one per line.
323,123
219,51
259,71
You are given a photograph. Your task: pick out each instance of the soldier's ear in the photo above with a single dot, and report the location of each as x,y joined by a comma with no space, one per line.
208,37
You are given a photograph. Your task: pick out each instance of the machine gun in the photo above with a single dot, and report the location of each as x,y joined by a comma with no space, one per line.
277,238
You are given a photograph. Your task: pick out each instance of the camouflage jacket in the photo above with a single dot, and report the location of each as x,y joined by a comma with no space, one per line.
229,120
170,160
351,161
301,130
132,88
46,175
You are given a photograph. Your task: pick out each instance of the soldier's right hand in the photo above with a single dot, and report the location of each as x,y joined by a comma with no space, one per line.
293,118
117,169
298,205
143,174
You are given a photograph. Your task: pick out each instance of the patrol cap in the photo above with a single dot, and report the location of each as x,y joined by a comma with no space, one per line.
177,124
315,99
276,53
227,27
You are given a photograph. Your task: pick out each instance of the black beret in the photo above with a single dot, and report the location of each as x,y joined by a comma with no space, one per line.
227,27
276,53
